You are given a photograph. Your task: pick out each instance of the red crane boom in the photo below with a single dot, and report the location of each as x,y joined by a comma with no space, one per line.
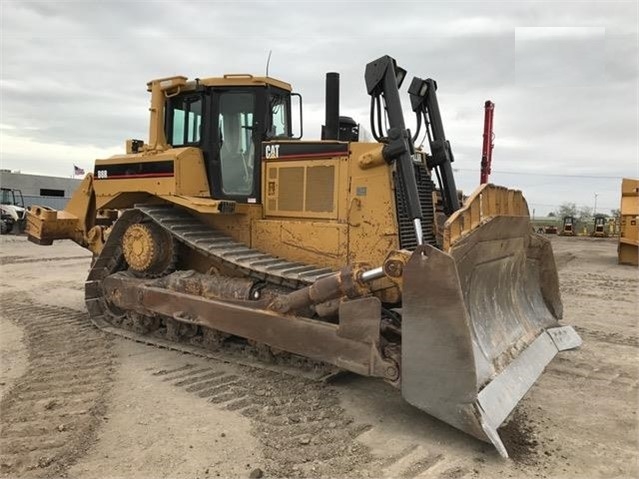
488,145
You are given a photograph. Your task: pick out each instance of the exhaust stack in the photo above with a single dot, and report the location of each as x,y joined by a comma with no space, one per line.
330,130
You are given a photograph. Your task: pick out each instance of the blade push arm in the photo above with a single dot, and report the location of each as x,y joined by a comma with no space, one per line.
383,79
423,98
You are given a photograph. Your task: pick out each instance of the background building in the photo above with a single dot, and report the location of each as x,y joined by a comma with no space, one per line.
42,190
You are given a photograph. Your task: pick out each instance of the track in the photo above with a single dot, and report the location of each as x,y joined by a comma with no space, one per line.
229,253
50,416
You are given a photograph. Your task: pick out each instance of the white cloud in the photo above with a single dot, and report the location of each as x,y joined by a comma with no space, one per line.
73,74
29,155
558,33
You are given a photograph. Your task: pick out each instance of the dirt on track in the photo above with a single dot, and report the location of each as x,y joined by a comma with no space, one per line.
160,413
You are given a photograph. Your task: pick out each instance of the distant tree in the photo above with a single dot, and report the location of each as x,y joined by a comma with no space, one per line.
566,209
551,214
615,213
585,215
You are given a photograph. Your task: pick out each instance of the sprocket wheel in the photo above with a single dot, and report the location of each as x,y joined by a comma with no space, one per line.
149,250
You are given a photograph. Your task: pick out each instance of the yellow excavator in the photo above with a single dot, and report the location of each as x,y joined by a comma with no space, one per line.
228,233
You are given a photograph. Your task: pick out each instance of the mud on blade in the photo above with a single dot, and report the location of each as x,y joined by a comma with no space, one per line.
480,324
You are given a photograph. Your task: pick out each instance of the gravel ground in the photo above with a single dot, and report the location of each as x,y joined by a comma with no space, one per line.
76,402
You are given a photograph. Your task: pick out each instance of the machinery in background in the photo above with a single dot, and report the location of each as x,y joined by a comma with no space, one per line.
568,226
628,248
12,211
226,232
488,143
599,227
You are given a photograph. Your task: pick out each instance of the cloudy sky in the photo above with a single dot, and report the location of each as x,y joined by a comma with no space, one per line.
563,76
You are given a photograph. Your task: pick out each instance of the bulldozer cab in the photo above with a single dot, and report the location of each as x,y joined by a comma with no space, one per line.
228,124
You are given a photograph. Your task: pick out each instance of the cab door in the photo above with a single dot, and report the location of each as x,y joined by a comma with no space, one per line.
237,133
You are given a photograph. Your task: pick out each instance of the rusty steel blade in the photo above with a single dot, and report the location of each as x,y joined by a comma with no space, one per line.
479,325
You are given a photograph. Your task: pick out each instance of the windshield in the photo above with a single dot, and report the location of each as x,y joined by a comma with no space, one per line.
9,197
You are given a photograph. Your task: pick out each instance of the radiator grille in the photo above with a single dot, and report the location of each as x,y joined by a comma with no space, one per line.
425,186
302,189
291,189
320,188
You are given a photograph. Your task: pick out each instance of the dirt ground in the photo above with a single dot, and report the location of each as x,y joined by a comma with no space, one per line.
75,402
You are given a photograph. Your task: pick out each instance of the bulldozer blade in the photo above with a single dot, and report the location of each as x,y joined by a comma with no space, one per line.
480,324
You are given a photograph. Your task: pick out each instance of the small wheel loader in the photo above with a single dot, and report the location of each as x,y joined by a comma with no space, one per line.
226,231
568,226
599,228
12,211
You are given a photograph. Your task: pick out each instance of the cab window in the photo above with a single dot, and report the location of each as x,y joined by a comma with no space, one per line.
185,121
279,115
237,148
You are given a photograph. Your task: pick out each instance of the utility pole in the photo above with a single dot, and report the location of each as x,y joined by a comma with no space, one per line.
595,209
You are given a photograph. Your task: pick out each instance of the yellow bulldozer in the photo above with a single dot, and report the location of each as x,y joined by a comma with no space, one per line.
226,232
628,248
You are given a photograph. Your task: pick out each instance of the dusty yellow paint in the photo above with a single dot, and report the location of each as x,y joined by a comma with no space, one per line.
371,209
359,226
311,242
205,205
189,174
629,226
487,201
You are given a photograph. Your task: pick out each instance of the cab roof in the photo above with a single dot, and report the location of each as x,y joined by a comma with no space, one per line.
230,79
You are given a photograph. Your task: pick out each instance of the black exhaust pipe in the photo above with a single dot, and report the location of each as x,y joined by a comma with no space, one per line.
330,131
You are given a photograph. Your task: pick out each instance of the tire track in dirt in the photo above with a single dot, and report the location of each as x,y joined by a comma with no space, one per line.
611,337
601,286
601,372
23,259
50,416
302,427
